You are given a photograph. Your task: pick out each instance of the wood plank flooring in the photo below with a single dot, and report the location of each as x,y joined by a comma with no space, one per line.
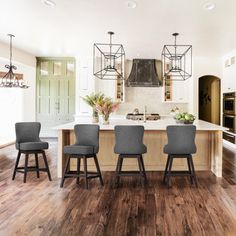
40,207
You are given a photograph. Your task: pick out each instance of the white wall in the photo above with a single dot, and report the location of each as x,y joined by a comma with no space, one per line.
17,104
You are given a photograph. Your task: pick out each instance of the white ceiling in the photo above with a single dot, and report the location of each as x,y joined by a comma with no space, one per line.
72,26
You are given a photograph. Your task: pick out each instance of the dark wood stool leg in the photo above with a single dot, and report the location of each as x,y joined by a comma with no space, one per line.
193,170
166,168
16,165
85,172
37,164
143,168
98,169
140,170
26,166
46,165
169,170
118,170
65,171
190,170
120,167
78,169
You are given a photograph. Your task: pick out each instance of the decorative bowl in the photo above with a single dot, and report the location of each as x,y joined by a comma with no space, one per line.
186,122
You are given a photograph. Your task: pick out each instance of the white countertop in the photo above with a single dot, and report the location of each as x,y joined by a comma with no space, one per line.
148,125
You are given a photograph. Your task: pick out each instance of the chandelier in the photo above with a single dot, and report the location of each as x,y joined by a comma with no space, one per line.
177,61
108,60
10,80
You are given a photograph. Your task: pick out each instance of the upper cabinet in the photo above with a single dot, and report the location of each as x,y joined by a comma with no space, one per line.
175,91
114,88
229,73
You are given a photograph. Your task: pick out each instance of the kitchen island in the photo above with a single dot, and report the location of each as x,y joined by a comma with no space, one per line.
208,142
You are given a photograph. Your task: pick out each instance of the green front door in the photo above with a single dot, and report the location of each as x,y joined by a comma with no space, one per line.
55,93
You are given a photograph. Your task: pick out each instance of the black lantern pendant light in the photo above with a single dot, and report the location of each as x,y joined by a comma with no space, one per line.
9,80
177,61
108,60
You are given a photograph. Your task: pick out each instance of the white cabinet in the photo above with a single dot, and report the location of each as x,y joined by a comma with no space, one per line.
229,79
228,82
178,92
84,86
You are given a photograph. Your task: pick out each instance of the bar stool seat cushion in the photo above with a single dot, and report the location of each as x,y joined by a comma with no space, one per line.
128,150
178,150
30,146
79,150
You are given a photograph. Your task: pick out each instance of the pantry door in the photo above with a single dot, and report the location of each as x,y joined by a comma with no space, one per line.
55,93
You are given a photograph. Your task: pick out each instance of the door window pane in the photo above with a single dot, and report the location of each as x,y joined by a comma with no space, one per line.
57,66
70,68
44,68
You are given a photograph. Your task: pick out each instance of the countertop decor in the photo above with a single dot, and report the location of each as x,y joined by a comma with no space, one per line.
105,107
91,100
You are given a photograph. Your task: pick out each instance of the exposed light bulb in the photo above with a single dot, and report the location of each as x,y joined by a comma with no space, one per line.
209,6
49,3
131,4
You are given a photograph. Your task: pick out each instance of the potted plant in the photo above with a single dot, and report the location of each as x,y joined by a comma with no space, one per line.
105,107
92,100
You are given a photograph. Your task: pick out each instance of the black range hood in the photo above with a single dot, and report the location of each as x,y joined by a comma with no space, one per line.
144,74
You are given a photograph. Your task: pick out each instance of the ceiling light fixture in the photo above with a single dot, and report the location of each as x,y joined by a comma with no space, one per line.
131,4
209,6
108,60
10,80
177,61
49,3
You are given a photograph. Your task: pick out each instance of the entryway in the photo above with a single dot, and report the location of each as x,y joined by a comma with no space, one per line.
209,98
55,93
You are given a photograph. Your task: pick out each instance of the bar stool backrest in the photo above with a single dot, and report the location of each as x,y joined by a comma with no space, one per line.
129,139
181,139
27,132
87,135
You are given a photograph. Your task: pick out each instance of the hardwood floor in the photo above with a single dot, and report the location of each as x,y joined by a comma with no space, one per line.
40,207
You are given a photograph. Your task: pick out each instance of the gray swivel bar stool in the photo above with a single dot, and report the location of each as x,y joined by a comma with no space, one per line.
28,142
129,144
86,146
181,144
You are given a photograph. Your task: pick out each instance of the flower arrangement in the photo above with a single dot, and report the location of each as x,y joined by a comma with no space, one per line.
105,107
92,100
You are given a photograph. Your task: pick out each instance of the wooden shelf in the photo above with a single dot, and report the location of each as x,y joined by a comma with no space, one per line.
168,89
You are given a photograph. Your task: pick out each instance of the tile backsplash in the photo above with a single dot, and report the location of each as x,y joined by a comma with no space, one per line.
152,98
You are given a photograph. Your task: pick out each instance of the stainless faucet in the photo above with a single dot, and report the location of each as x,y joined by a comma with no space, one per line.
144,114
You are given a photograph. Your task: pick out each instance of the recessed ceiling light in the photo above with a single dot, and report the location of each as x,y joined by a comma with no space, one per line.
209,6
49,3
131,4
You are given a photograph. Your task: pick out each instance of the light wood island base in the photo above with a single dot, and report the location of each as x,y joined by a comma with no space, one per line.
208,156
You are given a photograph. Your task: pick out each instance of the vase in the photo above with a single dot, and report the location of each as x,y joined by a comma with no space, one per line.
95,118
105,119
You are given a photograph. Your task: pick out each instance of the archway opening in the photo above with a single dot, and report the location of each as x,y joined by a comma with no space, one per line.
209,99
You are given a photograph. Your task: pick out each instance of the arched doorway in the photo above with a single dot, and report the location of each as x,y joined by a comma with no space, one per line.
209,99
